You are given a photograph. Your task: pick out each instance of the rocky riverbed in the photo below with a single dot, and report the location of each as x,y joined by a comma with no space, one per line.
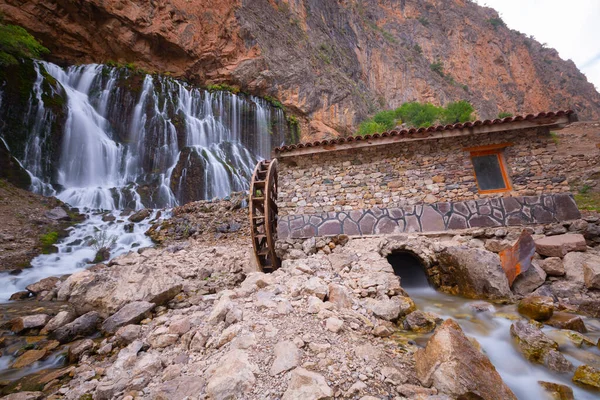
193,318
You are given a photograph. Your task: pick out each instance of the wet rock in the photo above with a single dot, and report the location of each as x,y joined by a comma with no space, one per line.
587,375
287,356
529,280
591,273
28,358
19,295
539,348
420,322
21,324
475,272
553,266
539,308
233,376
45,284
455,367
140,215
24,396
562,320
57,214
556,391
131,313
390,309
60,319
307,385
85,325
102,255
77,349
560,245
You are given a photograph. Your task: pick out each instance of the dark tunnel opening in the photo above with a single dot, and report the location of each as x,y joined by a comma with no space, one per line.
410,269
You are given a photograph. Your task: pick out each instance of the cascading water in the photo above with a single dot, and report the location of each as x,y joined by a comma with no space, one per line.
105,138
491,329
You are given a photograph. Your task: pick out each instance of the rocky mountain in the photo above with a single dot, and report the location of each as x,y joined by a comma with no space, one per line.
330,62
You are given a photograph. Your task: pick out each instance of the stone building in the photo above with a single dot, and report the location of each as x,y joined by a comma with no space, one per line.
477,174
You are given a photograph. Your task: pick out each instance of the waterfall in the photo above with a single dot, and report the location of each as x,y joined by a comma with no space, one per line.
100,137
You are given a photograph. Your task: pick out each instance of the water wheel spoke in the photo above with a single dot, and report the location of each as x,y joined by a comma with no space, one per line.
263,214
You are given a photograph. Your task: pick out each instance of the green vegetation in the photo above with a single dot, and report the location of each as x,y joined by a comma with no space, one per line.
438,68
416,114
587,199
504,114
496,22
48,240
16,43
223,87
418,49
554,137
386,35
424,21
274,102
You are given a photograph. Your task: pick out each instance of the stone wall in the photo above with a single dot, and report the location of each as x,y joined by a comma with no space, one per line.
482,213
427,171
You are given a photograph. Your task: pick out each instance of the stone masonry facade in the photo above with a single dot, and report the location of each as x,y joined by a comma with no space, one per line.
482,213
417,172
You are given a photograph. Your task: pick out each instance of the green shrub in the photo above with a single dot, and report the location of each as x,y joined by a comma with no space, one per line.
418,114
369,127
418,48
424,21
438,68
458,111
496,22
223,87
504,114
16,43
48,240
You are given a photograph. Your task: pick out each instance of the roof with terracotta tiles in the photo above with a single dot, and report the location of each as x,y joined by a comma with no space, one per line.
419,132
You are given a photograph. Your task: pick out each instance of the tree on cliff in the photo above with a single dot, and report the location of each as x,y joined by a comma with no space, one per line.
16,43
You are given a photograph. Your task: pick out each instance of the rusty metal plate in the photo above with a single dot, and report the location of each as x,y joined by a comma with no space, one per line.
517,259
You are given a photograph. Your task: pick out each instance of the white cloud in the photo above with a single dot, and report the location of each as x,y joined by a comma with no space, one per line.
571,27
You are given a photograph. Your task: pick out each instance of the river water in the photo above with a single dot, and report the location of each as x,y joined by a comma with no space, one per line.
492,330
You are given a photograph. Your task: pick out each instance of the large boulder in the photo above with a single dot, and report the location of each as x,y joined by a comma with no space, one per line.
390,309
591,273
233,376
529,280
539,308
587,375
60,319
108,289
83,326
476,273
560,245
539,348
131,313
455,367
307,385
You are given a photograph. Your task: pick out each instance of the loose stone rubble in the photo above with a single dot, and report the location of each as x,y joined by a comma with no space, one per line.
199,321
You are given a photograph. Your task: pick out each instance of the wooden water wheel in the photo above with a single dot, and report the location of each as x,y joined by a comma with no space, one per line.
263,214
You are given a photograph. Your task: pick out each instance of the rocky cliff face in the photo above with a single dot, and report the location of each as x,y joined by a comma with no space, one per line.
332,63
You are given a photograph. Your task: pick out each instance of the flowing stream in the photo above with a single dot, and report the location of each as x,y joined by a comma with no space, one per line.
492,330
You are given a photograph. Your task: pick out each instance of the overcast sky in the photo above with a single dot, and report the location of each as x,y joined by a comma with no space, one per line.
571,27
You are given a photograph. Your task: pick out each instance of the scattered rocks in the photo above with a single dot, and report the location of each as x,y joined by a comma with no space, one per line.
25,396
529,280
140,215
316,287
21,324
587,375
307,385
562,320
420,322
591,273
556,391
553,266
131,313
476,273
28,358
455,367
539,348
390,309
287,356
60,319
539,308
77,349
85,325
233,376
560,245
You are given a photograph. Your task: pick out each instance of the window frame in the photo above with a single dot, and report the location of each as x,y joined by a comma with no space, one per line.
494,149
